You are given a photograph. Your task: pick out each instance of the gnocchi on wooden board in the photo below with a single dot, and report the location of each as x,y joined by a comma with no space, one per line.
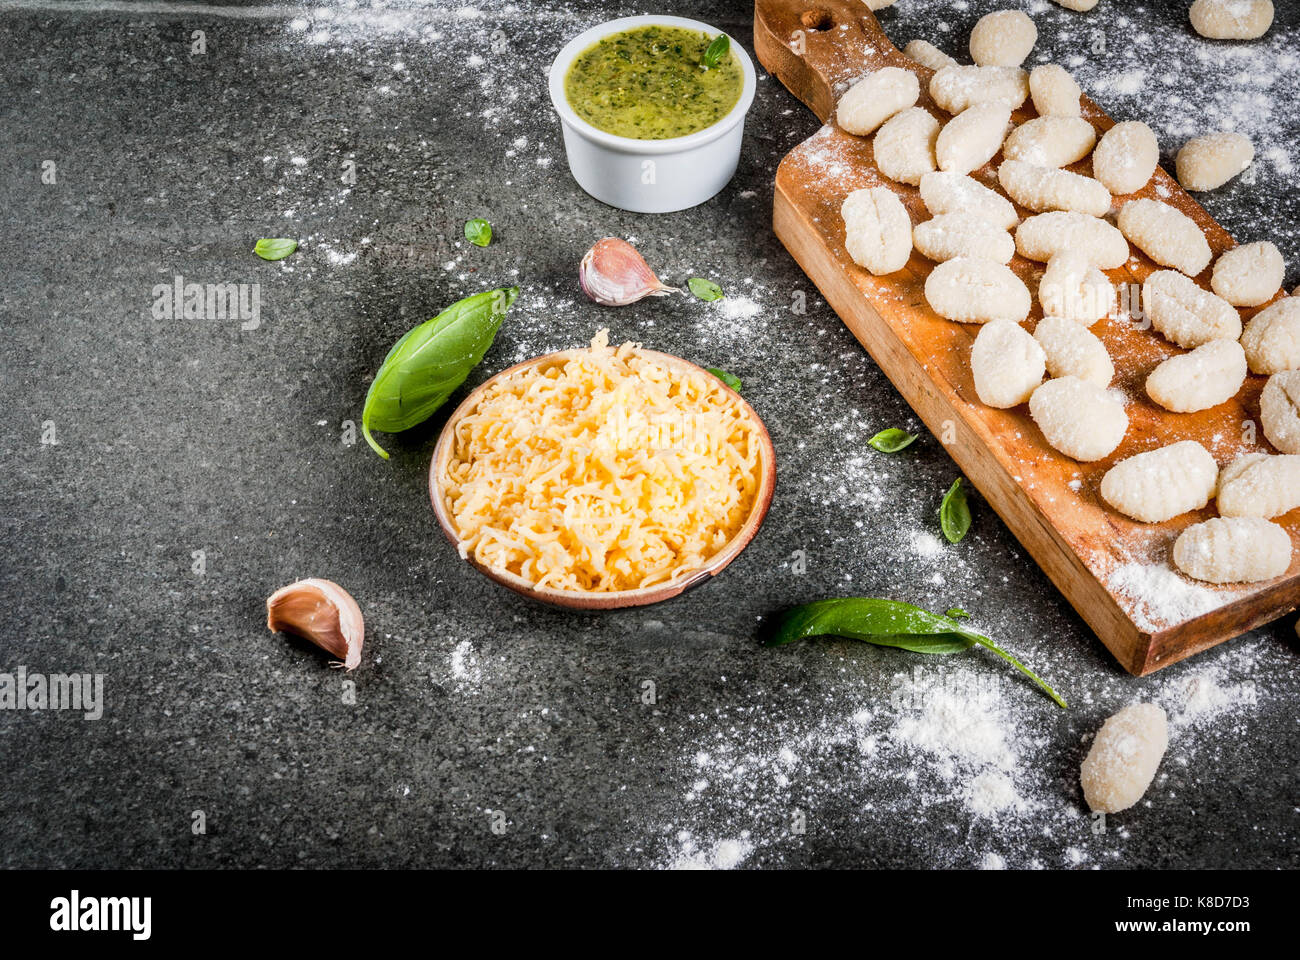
1079,226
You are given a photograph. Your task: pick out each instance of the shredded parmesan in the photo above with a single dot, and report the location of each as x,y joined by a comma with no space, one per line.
607,470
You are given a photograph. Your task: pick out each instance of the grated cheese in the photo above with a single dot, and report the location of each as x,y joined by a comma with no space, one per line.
608,470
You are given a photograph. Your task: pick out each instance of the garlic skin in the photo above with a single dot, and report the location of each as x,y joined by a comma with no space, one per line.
320,611
613,274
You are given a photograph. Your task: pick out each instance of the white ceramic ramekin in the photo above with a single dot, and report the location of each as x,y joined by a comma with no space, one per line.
650,176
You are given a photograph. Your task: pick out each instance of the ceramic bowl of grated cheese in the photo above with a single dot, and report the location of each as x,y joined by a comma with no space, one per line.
602,477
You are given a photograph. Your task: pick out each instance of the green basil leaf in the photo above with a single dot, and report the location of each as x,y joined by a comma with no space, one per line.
705,290
888,623
956,613
954,514
430,361
892,440
276,249
730,379
716,50
478,232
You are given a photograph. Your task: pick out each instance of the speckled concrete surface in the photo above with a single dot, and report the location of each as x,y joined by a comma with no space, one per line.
198,466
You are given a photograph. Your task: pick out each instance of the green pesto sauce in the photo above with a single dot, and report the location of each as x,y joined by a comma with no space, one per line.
648,84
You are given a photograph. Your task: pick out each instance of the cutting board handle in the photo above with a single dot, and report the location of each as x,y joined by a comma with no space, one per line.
802,43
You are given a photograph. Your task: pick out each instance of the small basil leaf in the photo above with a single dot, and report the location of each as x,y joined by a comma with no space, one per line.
705,290
430,361
956,613
730,379
888,623
478,232
716,50
892,440
276,249
954,514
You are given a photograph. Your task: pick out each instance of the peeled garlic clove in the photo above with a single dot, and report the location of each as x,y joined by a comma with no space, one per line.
320,611
613,274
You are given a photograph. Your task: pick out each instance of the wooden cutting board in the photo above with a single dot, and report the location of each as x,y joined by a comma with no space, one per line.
1116,572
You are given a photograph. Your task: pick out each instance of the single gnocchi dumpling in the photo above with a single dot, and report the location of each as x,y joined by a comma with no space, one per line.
1168,236
904,146
1079,418
1185,314
1160,484
1007,364
928,55
1003,39
953,193
951,235
1272,338
958,87
1071,351
1074,289
1050,141
1231,19
1126,751
970,139
1260,485
1208,162
874,99
1126,157
974,290
1249,275
877,230
1208,376
1054,92
1043,236
1047,188
1081,5
1233,550
1279,410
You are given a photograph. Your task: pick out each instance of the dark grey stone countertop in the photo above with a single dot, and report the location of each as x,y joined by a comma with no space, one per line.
199,466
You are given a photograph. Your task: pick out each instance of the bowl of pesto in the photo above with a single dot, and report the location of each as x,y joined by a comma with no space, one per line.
653,110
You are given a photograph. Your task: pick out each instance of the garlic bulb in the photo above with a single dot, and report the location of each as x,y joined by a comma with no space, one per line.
613,274
320,611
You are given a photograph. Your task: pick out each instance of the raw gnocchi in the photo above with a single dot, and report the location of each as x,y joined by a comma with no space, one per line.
1249,275
1167,236
1260,485
972,290
1233,550
1043,236
1126,157
1054,92
953,193
1079,418
1208,376
952,235
1071,351
1160,484
874,99
970,139
1128,749
1279,410
1208,162
1050,141
1081,5
1231,19
904,146
1003,39
1046,188
928,55
1186,314
1007,364
1073,289
957,87
1272,338
877,230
